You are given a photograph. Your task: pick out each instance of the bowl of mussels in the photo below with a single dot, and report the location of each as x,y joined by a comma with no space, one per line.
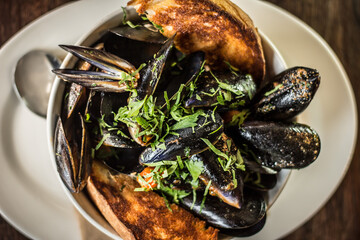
178,121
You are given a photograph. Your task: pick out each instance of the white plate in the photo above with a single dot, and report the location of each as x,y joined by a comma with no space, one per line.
33,201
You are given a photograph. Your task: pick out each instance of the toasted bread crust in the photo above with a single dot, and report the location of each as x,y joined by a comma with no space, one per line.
217,27
141,215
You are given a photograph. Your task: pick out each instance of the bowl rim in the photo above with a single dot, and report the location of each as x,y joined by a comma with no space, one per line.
51,118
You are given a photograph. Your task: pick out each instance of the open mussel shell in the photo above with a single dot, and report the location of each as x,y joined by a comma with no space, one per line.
260,182
151,73
142,33
110,104
227,89
125,160
104,60
92,108
179,71
224,216
111,133
149,80
72,153
280,145
114,77
114,139
137,45
287,95
186,138
98,81
75,98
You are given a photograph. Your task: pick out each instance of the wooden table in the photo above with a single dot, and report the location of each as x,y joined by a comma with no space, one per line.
338,22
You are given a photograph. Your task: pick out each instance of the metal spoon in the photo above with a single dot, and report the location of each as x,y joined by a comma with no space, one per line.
33,79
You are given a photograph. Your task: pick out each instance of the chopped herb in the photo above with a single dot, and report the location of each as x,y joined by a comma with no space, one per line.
180,162
161,146
239,118
125,15
87,118
158,27
277,87
122,188
204,197
102,141
93,153
132,25
187,121
194,199
216,130
232,68
214,149
195,168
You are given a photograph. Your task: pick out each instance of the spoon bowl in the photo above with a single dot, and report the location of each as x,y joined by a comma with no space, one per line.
33,79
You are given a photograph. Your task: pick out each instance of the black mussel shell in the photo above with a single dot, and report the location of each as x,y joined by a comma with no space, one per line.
260,182
72,152
111,79
103,106
125,160
152,72
92,109
113,138
110,104
227,89
224,216
280,145
137,45
222,182
287,95
256,167
179,70
186,138
245,232
74,100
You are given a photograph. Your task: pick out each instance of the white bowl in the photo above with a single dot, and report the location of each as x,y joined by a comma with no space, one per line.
275,65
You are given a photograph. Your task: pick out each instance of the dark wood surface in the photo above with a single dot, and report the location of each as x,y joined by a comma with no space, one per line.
338,22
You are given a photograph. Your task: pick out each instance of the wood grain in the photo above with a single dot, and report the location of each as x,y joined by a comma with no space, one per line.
338,22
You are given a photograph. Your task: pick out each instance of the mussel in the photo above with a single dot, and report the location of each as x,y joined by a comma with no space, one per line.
117,75
137,42
226,181
287,95
226,89
72,153
224,216
280,145
209,126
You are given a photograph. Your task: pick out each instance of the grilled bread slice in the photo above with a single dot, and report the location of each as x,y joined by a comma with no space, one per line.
217,27
141,215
